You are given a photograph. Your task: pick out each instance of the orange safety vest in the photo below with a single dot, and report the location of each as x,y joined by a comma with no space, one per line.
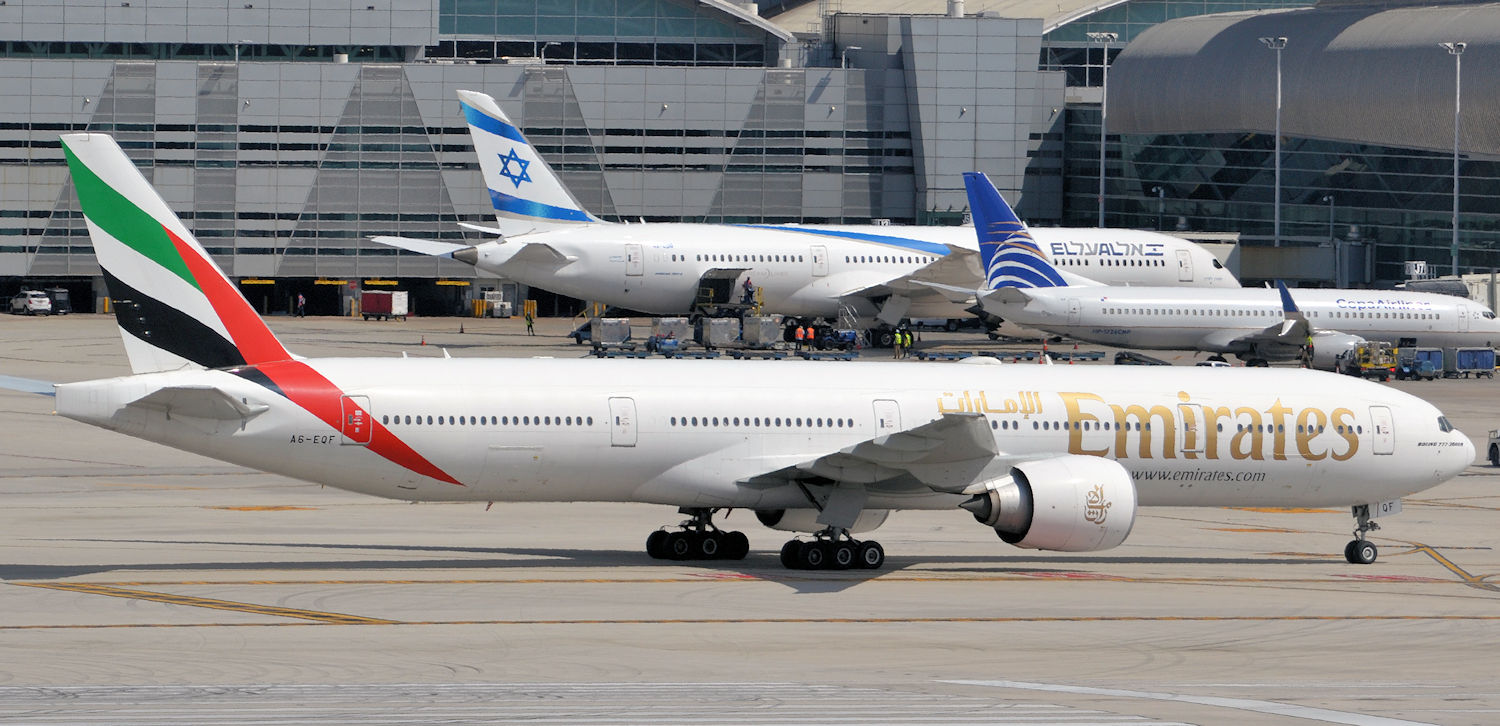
800,334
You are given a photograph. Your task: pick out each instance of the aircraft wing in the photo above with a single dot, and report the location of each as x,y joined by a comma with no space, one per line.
422,246
959,269
942,455
1293,330
203,402
539,253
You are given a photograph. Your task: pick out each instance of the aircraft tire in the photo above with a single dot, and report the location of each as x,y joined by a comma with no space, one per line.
679,545
708,546
1494,455
842,556
871,556
813,556
790,554
656,545
736,546
1361,552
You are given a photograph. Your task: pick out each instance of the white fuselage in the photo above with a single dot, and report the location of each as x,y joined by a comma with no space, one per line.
1182,319
656,268
694,433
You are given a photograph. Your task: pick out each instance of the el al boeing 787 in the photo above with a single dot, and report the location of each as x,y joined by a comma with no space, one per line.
1053,458
550,241
1256,324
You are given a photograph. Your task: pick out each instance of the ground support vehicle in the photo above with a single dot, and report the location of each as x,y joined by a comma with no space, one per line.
383,304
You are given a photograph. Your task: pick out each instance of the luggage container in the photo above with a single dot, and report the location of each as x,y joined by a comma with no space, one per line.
609,331
761,331
679,329
383,304
1463,362
718,332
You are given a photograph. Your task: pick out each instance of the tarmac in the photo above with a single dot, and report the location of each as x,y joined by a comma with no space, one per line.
139,584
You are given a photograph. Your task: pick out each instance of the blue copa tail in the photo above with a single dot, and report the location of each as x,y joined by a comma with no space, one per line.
1011,257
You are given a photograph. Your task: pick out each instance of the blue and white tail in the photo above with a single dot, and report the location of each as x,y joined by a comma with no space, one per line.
1011,257
527,195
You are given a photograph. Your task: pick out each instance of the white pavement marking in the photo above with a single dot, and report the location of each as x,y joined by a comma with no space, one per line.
594,704
1242,704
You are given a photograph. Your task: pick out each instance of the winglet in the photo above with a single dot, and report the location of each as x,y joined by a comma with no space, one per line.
1011,257
1287,305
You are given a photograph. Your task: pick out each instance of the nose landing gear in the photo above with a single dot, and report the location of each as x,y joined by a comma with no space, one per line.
832,549
1362,551
698,540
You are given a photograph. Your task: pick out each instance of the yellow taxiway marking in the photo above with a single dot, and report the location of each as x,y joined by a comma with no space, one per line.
813,621
205,602
1468,579
276,508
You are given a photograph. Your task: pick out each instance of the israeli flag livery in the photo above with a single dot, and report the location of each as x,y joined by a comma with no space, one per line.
1011,257
526,194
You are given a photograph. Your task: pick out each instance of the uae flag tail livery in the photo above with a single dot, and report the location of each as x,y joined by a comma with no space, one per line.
175,307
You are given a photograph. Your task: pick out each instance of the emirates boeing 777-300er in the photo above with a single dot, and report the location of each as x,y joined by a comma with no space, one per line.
1050,457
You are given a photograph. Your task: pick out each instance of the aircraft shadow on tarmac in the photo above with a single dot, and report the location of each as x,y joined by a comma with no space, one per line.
762,566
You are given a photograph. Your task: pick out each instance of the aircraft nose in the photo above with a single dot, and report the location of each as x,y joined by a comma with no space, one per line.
1459,457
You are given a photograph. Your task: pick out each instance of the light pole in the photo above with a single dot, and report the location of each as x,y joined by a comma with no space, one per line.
1338,263
1277,44
844,55
1105,39
1457,51
1161,203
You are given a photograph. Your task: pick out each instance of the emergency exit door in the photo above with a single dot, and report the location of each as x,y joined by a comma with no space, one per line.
819,255
887,417
635,260
1382,431
1184,266
354,422
622,429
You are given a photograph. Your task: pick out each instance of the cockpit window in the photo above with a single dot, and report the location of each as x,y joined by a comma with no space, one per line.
1217,264
1488,315
1443,424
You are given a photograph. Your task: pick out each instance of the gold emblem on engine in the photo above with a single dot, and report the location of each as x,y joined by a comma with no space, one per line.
1095,508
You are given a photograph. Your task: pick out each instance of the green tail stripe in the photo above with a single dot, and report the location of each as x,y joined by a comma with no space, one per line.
123,220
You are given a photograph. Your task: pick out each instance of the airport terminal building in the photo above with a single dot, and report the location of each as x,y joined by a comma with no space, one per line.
287,132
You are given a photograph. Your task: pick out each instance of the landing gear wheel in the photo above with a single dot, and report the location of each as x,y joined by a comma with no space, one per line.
1217,359
656,545
1494,455
843,556
679,545
736,546
709,546
870,556
813,556
791,554
1361,552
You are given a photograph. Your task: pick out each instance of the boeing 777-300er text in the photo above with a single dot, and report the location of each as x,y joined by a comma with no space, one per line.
1051,457
550,241
1256,324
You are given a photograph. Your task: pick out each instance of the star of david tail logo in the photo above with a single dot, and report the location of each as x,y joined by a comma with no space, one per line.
518,176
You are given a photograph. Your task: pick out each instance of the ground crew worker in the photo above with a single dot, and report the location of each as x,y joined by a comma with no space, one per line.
800,337
811,336
896,340
529,322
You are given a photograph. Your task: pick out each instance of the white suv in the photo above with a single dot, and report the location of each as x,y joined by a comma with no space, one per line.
31,302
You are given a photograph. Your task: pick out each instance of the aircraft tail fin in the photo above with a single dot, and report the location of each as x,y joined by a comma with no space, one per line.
1011,257
175,307
526,193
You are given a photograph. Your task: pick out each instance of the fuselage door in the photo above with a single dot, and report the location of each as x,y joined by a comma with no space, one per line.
1382,431
819,255
355,423
622,422
1463,319
1184,266
635,261
1073,310
887,417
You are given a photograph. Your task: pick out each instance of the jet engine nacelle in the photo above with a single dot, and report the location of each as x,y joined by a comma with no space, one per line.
806,520
1328,346
1065,503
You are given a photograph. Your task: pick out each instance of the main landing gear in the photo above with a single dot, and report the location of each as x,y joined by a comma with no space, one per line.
698,540
1361,551
832,549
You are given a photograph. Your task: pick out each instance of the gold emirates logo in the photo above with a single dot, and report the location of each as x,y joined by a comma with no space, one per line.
1095,508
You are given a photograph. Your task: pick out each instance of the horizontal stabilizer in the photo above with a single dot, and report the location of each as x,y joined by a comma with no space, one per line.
421,246
540,253
203,402
26,385
1008,295
482,229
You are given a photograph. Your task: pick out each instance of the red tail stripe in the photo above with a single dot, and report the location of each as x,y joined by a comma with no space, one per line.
249,333
312,391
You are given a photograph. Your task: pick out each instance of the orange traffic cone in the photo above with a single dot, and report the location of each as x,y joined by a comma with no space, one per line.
424,340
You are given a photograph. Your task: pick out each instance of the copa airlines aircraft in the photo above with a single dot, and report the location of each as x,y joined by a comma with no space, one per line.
550,241
1256,324
1053,458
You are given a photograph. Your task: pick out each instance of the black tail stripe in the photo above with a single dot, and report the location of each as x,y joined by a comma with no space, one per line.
168,328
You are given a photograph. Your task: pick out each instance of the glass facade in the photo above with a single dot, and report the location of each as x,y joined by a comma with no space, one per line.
1399,199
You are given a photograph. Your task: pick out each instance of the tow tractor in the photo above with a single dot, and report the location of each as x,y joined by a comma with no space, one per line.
1370,360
